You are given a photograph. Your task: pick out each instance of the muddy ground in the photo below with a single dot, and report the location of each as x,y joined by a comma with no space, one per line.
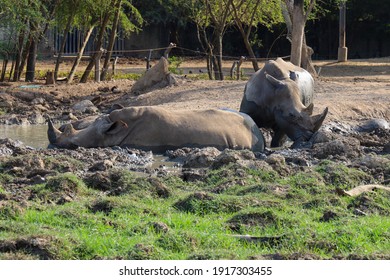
357,94
355,133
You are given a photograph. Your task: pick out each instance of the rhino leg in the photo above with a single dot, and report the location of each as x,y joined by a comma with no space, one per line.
279,138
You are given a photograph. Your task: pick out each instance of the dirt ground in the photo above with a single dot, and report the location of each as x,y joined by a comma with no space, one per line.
353,91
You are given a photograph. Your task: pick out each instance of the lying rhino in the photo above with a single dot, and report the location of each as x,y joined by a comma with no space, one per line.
157,129
276,97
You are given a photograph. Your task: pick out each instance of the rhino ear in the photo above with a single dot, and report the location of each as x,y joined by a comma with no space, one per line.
114,128
294,76
309,109
318,119
69,130
275,82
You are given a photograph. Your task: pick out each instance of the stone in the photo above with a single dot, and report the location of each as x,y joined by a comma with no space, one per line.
84,106
200,158
156,77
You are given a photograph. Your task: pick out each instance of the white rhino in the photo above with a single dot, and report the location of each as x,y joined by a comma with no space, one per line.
279,96
158,129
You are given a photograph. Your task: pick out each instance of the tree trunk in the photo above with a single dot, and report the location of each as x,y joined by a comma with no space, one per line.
298,22
306,62
4,69
11,70
31,60
111,40
79,55
18,58
99,44
25,54
63,43
245,35
252,56
207,48
218,58
210,67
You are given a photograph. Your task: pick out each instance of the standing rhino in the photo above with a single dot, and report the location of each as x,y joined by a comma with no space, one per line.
280,96
157,129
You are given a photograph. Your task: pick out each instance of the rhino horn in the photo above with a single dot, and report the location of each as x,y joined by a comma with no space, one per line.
318,119
52,132
309,109
275,82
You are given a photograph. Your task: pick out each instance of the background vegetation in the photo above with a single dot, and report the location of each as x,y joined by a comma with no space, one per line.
218,29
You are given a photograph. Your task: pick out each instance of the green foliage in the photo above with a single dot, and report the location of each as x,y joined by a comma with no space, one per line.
128,76
174,64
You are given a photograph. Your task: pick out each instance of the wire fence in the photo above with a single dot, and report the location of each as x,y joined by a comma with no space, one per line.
230,67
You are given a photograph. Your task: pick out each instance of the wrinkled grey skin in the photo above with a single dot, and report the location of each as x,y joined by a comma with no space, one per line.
158,129
280,96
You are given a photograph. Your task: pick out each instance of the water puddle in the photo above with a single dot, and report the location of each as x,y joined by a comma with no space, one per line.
31,135
36,136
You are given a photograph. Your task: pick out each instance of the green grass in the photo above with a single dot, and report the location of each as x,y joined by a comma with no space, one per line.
296,216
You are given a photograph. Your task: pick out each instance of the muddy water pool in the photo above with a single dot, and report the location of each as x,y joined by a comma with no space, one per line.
36,136
31,135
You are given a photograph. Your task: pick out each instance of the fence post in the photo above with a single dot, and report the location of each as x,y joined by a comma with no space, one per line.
242,58
50,78
114,65
232,69
148,60
168,50
97,65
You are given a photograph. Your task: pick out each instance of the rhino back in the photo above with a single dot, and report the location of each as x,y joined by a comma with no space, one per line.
158,129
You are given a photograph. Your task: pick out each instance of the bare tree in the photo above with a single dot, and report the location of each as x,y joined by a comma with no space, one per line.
111,40
220,15
296,17
248,14
76,63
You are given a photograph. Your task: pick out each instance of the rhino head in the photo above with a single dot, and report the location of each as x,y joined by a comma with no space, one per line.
101,133
291,116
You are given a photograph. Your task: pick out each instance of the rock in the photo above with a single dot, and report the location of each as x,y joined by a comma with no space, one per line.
103,89
373,124
178,153
37,179
40,108
278,163
321,137
38,100
275,159
192,175
85,106
347,147
159,188
115,90
232,156
102,166
386,148
13,119
160,227
156,77
328,216
25,95
37,118
68,116
200,158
